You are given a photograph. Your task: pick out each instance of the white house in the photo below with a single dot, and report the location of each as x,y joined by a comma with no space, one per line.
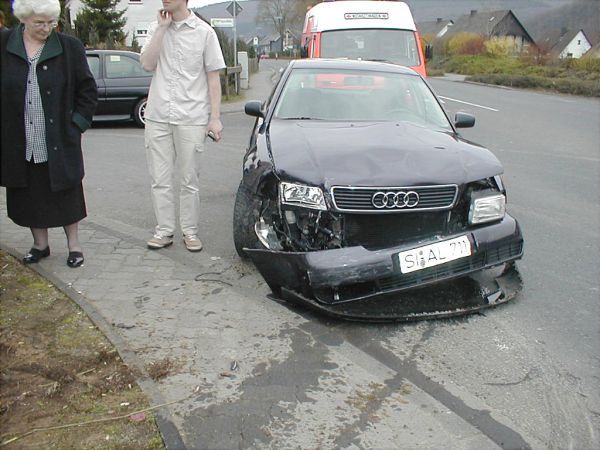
566,44
139,14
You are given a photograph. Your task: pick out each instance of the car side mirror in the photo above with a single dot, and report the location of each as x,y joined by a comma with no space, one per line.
254,108
463,120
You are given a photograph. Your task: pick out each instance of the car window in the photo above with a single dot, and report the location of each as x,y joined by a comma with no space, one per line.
359,95
94,63
395,46
121,66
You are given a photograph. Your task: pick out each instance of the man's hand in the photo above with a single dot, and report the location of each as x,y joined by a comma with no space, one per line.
215,127
164,18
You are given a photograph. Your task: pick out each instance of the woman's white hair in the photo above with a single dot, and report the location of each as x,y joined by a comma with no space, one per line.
27,8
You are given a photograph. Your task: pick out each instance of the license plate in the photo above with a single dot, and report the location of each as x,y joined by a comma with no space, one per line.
434,254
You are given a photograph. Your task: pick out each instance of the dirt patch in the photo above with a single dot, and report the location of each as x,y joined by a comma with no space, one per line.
57,369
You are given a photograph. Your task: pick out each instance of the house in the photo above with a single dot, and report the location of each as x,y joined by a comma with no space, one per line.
565,44
269,44
594,52
434,29
139,14
492,24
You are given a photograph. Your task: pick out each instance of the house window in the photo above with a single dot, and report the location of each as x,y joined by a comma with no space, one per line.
141,32
138,2
579,42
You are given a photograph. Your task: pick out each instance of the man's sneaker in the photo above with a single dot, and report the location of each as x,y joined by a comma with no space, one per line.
159,241
192,243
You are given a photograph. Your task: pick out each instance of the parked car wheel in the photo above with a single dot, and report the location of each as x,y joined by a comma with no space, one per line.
139,112
245,215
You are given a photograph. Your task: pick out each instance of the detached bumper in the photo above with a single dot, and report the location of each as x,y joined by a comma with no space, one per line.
358,283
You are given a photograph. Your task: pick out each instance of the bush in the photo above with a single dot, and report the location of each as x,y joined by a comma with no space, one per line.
466,44
500,46
572,86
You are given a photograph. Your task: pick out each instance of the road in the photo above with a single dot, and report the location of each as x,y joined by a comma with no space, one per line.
522,375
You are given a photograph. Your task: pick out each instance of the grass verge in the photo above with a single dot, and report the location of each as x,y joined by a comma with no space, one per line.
58,369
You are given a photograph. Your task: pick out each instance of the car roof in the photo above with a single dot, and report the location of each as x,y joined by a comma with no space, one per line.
350,64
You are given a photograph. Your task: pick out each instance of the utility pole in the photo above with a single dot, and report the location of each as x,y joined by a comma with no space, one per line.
235,33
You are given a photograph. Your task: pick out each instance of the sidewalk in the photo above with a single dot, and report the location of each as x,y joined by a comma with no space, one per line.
146,303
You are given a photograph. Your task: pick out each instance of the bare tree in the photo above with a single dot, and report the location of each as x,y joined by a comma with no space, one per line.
282,15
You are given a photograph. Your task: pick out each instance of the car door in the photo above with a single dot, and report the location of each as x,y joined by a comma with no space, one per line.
126,82
96,67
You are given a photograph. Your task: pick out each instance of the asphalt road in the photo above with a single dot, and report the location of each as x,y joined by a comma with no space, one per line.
523,375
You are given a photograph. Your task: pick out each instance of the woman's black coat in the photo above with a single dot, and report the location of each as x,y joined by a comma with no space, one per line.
69,96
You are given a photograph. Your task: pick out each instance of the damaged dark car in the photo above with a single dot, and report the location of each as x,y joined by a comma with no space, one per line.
360,199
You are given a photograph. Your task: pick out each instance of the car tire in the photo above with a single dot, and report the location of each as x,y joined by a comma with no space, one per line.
245,215
139,112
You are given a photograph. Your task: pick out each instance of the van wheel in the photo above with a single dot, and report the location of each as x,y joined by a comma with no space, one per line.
139,112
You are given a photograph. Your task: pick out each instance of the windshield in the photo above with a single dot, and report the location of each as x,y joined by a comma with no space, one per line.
359,95
395,46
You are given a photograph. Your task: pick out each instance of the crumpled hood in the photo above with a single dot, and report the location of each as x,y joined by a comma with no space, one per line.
375,154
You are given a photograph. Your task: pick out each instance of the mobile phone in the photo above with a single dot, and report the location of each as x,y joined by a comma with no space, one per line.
211,135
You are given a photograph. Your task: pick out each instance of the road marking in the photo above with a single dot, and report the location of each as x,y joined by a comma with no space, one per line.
467,103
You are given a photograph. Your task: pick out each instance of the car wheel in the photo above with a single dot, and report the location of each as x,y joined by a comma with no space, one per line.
245,216
139,112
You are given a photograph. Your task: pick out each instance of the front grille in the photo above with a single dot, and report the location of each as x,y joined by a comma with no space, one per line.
459,267
359,199
391,230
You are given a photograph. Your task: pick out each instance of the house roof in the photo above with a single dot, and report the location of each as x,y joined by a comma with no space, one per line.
556,40
433,27
595,50
266,40
486,23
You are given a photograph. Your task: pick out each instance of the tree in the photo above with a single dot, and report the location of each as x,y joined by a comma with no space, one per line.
281,15
99,24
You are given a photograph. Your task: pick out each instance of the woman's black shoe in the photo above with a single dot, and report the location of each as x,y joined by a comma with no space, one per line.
35,255
75,259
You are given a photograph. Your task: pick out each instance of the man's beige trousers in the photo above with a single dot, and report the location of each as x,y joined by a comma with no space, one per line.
172,151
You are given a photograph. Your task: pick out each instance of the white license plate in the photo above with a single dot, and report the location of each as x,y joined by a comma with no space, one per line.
434,254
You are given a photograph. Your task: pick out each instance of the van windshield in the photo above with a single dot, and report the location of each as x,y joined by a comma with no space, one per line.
394,46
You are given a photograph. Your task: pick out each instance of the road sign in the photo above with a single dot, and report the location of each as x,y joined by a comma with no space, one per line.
238,9
226,22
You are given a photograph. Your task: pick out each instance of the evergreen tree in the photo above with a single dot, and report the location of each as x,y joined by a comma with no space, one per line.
99,24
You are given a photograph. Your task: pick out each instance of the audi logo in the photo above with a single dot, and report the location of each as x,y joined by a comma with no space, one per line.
392,200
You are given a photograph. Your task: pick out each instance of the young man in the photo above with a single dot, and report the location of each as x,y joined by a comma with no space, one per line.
183,108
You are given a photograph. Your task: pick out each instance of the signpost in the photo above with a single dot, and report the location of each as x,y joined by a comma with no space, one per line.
234,9
221,22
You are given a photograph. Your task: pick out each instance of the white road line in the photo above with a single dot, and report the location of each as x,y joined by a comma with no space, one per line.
467,103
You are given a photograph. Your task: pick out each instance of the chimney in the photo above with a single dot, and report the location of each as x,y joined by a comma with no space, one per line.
473,12
438,20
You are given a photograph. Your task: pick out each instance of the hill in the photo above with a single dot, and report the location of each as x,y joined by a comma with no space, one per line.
536,15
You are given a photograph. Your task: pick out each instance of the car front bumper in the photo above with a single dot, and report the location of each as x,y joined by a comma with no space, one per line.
355,282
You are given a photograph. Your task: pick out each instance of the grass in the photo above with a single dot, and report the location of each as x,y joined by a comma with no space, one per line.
576,77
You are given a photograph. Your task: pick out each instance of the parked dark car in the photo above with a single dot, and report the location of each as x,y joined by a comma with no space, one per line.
123,85
360,198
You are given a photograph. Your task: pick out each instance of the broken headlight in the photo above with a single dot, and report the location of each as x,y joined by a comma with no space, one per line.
486,206
302,195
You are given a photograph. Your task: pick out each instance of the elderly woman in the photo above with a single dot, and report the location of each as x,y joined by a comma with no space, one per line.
48,98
